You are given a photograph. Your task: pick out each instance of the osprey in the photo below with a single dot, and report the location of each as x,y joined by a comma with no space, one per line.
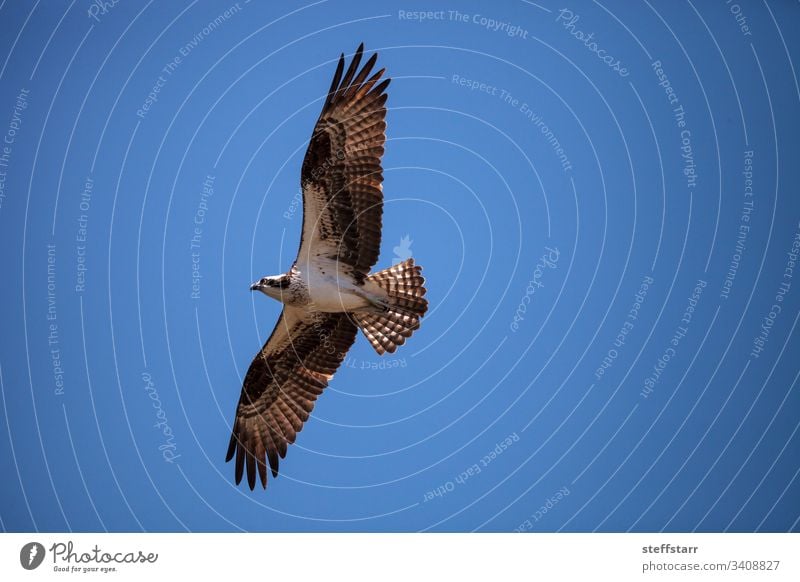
328,294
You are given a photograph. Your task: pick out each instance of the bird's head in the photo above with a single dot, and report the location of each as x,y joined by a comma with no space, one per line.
274,286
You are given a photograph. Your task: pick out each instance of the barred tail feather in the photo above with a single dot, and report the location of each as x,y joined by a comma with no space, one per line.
404,285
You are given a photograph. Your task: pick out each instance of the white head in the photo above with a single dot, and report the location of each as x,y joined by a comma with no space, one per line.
275,286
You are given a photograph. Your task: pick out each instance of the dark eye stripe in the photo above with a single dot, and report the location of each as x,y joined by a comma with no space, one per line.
282,283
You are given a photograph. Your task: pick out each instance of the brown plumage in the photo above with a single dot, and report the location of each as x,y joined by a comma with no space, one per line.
404,284
282,384
342,211
343,167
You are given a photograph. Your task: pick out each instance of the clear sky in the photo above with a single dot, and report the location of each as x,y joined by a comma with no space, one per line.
603,198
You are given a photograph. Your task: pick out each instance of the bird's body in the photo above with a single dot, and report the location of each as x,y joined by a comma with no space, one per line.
329,293
321,287
329,290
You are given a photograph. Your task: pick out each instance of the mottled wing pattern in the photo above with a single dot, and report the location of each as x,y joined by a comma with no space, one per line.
281,386
342,175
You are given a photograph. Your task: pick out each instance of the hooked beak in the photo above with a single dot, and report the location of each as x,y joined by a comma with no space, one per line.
255,286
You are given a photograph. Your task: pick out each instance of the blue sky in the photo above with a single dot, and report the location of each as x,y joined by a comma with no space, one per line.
602,197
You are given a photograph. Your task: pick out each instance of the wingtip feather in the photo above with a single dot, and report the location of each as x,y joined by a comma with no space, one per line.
231,447
251,470
239,463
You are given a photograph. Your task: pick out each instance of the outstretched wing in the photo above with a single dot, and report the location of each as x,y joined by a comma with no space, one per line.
281,386
342,175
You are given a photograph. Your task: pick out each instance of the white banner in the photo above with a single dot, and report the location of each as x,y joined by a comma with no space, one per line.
373,557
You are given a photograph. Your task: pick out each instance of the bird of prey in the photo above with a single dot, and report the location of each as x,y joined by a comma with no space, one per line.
329,293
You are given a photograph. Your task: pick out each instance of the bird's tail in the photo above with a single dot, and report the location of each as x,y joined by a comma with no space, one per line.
405,306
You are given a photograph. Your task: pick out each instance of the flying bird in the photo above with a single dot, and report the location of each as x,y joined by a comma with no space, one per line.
328,294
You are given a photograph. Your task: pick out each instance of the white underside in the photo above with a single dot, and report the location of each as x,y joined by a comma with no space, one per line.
331,291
